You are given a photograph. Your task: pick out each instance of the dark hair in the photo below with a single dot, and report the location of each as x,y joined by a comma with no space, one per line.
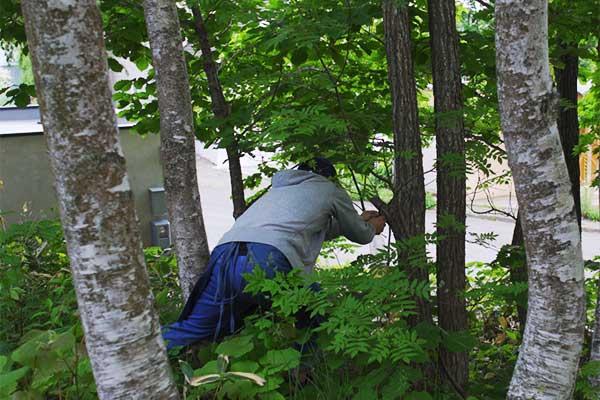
319,165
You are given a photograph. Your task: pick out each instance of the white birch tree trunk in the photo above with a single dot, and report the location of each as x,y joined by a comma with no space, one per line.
96,205
177,141
553,338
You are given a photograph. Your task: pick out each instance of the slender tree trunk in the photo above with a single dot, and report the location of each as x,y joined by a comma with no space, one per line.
568,121
595,345
553,338
518,272
177,141
451,182
221,110
96,204
406,211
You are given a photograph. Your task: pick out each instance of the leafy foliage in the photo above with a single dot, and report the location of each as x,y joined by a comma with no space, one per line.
337,324
302,78
42,347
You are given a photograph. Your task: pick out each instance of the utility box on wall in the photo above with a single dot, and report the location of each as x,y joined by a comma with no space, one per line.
161,233
160,227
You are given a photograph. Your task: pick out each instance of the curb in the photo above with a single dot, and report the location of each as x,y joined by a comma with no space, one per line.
491,217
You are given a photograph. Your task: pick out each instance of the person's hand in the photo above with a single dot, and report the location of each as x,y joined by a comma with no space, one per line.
367,215
378,223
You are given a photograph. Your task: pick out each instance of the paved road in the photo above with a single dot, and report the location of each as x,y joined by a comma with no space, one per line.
217,208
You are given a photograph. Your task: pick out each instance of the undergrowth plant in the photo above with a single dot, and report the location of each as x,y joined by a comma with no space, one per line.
336,334
340,333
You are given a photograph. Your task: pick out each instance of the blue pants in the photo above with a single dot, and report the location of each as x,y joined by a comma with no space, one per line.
217,305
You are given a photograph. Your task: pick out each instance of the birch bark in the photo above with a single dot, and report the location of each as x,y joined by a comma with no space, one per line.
553,337
116,305
177,141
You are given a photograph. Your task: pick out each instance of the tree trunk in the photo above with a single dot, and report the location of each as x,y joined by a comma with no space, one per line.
553,338
518,273
221,110
406,211
96,204
451,183
568,121
595,345
177,141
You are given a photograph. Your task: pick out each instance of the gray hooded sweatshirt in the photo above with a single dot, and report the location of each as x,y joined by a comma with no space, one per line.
301,210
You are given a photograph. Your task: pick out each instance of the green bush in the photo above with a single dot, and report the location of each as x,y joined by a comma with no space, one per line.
362,349
42,347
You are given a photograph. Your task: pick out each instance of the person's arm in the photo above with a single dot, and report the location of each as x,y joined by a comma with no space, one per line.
333,230
349,223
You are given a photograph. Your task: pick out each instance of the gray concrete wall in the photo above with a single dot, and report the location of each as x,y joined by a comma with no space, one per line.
28,191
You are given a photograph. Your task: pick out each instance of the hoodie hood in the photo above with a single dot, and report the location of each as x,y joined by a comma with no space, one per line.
292,177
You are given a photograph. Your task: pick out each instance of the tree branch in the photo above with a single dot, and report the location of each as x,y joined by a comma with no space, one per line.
486,141
485,4
362,202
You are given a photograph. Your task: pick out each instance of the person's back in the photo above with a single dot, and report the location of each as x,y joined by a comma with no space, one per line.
297,214
283,229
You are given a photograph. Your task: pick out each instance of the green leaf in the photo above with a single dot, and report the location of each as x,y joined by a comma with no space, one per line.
62,343
27,353
365,393
114,65
22,99
244,366
142,63
337,57
299,56
122,85
280,360
15,293
208,368
272,396
187,370
432,334
54,356
9,380
28,395
236,346
139,83
459,341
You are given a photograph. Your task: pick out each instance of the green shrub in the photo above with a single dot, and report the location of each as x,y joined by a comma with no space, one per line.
362,349
42,348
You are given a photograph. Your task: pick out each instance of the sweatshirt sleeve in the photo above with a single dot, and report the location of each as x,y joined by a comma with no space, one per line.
348,222
333,230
